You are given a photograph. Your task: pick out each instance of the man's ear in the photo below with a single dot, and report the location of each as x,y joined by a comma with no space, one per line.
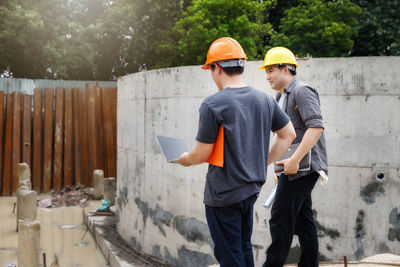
218,68
285,69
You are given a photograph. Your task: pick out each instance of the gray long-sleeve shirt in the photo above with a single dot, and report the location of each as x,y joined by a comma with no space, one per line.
302,105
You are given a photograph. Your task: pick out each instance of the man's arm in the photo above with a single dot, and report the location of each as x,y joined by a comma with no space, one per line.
199,154
310,138
284,137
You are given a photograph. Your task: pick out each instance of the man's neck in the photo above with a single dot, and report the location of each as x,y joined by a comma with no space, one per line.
285,85
233,82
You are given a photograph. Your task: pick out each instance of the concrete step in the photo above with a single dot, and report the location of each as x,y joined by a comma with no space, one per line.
117,252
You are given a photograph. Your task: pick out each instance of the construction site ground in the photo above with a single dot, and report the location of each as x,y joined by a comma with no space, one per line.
79,236
63,241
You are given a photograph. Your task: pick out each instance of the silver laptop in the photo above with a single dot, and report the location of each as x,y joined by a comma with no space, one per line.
172,148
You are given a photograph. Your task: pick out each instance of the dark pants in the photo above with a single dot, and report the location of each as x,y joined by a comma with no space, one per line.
292,214
231,228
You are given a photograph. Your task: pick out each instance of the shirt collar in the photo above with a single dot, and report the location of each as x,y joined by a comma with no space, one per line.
288,89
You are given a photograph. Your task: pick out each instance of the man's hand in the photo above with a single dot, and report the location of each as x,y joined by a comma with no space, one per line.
183,159
198,155
291,165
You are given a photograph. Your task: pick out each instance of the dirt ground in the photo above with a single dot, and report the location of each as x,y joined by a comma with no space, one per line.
68,196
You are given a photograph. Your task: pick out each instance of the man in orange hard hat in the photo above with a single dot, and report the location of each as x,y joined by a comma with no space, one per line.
241,117
291,212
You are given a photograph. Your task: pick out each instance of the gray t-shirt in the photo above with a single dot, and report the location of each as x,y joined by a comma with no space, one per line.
248,117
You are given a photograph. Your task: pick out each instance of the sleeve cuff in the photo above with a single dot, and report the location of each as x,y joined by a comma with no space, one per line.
314,123
205,140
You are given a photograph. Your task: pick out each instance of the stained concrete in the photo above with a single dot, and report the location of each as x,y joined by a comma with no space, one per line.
26,204
72,247
98,183
360,103
117,252
28,243
109,190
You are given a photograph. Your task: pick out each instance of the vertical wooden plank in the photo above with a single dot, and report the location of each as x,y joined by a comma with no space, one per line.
37,145
58,139
48,139
26,129
83,112
92,131
76,138
2,129
7,173
100,131
16,140
68,138
108,131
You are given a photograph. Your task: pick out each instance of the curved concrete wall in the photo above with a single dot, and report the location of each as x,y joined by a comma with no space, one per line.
160,205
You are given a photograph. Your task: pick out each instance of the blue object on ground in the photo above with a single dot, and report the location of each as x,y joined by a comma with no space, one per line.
105,205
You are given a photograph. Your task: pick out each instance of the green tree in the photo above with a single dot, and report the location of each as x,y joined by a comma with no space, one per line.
378,31
149,25
320,28
206,20
49,39
278,11
20,40
83,39
72,43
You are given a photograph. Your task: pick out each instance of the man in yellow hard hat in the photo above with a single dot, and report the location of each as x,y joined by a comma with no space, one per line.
291,212
246,116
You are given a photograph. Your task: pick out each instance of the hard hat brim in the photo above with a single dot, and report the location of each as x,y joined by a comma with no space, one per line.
264,67
206,67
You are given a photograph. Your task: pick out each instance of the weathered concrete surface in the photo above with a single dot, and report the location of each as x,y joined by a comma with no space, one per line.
73,247
24,176
109,190
356,214
26,199
26,204
98,184
28,243
117,252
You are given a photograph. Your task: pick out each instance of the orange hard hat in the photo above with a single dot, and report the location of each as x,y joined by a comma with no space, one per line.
222,49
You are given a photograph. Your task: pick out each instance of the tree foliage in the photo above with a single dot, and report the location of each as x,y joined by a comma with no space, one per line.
318,27
150,24
82,39
52,39
207,20
103,39
379,31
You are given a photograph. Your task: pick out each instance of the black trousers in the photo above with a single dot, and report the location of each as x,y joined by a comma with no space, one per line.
231,228
292,214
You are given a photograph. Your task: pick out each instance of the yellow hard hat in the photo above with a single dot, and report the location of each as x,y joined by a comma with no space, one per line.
278,56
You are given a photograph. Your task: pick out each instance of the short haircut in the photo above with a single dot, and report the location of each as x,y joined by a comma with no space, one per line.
230,71
291,71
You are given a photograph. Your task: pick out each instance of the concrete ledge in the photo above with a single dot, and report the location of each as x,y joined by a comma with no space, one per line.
114,248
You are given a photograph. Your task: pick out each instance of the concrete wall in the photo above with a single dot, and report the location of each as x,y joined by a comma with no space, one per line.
160,204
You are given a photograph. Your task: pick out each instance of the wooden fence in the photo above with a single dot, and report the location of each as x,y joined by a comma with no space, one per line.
63,134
